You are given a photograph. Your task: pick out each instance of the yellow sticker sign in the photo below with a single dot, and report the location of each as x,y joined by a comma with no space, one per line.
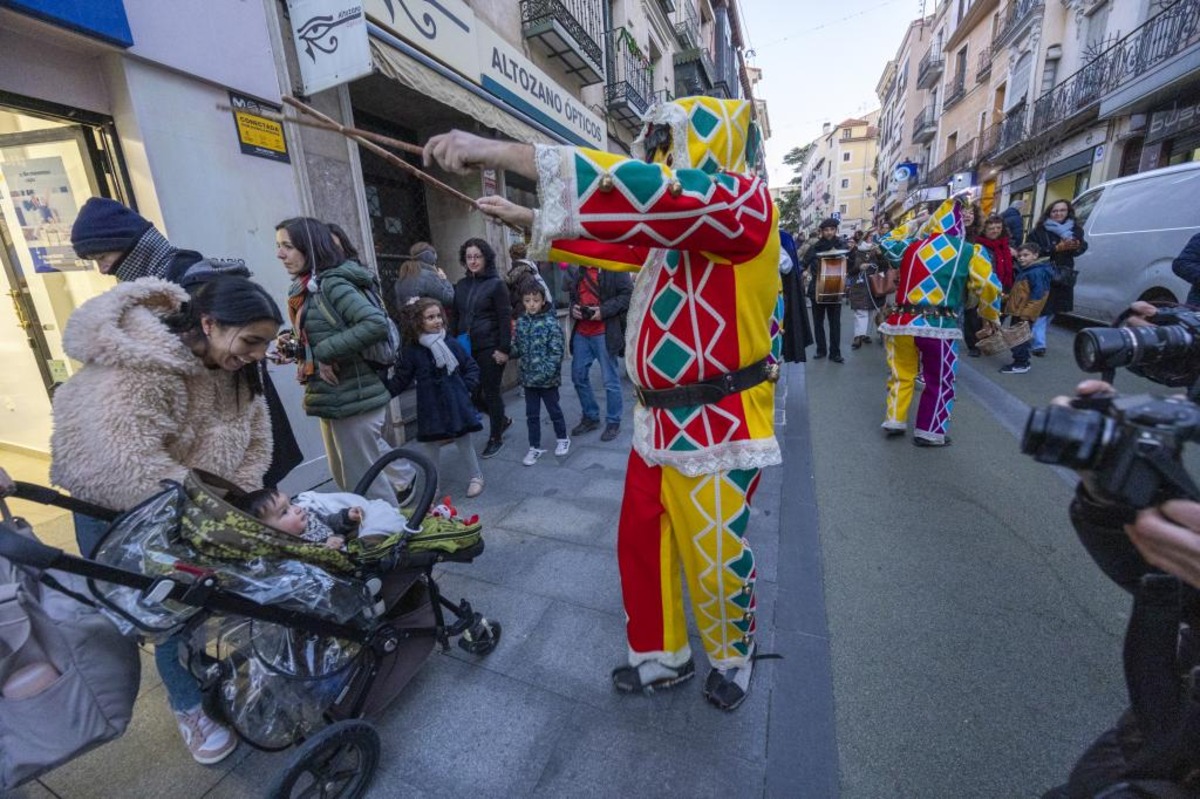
257,134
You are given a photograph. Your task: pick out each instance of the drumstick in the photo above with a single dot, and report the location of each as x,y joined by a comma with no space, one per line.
334,127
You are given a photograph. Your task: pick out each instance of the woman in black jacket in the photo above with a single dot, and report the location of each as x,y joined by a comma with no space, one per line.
1061,238
482,311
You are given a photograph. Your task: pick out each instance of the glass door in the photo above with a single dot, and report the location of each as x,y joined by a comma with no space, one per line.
48,169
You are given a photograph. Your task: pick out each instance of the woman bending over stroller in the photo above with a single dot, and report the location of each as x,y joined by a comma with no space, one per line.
169,383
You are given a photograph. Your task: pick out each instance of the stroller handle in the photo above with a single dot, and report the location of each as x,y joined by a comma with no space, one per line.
425,500
32,492
26,551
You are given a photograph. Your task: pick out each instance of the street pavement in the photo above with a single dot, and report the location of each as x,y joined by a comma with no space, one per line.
942,633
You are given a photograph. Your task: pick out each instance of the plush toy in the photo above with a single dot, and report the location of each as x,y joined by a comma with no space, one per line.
447,510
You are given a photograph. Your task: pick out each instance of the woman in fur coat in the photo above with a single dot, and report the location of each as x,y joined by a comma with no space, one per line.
169,383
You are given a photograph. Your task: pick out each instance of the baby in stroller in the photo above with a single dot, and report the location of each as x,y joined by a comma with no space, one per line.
329,519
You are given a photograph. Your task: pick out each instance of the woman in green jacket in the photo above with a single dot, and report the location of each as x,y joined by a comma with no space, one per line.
334,322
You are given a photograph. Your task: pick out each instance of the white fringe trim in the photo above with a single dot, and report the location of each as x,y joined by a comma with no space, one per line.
556,219
921,331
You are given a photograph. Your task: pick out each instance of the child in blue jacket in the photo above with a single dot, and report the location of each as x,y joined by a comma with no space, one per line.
539,344
1031,289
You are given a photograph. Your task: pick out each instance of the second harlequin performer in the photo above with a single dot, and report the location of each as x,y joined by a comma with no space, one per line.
938,267
702,235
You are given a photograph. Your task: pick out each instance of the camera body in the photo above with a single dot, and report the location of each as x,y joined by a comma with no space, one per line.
288,349
1132,446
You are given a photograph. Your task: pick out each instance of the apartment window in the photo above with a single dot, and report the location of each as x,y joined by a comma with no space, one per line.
1097,26
847,133
845,156
1050,70
845,183
842,208
1018,84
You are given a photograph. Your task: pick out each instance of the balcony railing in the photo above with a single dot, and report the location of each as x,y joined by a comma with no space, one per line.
930,69
629,89
985,65
1078,97
925,125
1003,136
707,72
687,25
961,160
663,96
568,30
956,91
1019,12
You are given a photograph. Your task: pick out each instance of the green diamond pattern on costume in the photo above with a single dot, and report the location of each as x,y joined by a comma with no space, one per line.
741,600
666,305
643,181
727,181
741,478
672,260
738,525
670,358
743,565
704,122
586,175
710,165
695,181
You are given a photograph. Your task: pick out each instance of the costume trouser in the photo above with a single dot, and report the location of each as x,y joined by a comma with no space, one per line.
534,399
353,444
671,522
466,452
937,359
585,350
833,312
491,374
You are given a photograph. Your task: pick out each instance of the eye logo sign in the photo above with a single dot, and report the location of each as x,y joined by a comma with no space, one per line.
320,32
904,171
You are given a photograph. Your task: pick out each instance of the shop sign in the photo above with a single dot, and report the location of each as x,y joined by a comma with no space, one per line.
512,77
103,19
331,42
445,29
1165,124
257,134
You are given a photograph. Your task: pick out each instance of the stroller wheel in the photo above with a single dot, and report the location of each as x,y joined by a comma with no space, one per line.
339,761
481,637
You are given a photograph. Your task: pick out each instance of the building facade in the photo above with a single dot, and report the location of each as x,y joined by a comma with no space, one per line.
838,179
905,125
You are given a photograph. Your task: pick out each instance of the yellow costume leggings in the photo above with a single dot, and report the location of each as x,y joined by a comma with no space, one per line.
671,523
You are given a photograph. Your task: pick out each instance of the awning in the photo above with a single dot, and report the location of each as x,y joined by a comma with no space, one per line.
401,67
1074,163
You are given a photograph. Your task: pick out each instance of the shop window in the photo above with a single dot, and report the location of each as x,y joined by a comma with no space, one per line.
1131,156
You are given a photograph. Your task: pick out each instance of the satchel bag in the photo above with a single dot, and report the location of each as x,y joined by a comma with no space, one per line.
1064,276
883,281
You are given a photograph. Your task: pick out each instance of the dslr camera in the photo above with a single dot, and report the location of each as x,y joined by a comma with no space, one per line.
288,349
1132,445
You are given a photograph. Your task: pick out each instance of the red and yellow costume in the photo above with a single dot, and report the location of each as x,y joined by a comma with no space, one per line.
705,244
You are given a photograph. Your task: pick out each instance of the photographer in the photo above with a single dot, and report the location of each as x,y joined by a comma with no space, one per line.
599,302
1137,513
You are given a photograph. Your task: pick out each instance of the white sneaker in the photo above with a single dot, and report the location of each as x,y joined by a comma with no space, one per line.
208,741
563,447
531,457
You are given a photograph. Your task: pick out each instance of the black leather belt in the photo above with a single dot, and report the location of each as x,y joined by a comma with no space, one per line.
710,391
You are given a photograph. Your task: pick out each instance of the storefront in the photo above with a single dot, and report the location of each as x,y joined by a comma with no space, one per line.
1172,135
1069,177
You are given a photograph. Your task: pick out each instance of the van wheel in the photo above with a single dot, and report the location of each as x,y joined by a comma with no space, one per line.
1158,295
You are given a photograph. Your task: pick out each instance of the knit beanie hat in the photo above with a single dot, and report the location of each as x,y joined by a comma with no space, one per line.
105,225
830,222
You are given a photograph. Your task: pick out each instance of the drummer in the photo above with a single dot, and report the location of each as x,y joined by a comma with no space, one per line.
825,311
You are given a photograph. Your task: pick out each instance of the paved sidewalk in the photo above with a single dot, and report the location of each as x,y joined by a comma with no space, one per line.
538,716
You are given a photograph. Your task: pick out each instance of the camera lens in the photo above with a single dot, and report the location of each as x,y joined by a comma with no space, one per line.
1101,348
1066,436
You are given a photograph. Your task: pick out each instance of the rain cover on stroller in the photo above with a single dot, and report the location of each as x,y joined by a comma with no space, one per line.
68,678
149,540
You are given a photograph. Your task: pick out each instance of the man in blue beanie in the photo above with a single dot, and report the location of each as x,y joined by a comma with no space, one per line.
125,244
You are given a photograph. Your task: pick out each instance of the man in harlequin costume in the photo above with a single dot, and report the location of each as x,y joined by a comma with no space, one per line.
701,350
938,266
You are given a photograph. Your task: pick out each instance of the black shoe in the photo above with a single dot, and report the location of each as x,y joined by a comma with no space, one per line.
1040,353
629,679
585,426
973,353
837,359
857,343
494,445
611,431
894,433
819,355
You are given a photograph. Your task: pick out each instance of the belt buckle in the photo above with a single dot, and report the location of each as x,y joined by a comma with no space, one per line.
771,371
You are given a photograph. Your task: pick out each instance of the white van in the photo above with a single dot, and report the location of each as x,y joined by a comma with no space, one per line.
1135,227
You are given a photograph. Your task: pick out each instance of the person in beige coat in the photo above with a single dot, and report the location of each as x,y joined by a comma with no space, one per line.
169,383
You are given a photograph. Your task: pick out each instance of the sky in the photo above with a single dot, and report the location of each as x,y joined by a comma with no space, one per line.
820,62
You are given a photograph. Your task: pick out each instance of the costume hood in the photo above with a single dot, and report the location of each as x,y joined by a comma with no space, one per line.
123,327
707,133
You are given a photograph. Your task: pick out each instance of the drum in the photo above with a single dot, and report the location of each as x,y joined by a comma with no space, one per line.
831,279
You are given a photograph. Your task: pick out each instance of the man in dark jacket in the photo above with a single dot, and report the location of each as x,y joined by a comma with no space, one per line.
1014,223
1187,266
822,311
599,302
126,245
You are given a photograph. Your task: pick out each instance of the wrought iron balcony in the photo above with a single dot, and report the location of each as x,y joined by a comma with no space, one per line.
687,25
663,96
1001,140
956,91
930,69
1140,65
694,71
925,125
962,159
1074,99
629,89
570,31
1019,13
985,65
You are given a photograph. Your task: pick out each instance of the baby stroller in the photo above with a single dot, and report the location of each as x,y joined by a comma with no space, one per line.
289,654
